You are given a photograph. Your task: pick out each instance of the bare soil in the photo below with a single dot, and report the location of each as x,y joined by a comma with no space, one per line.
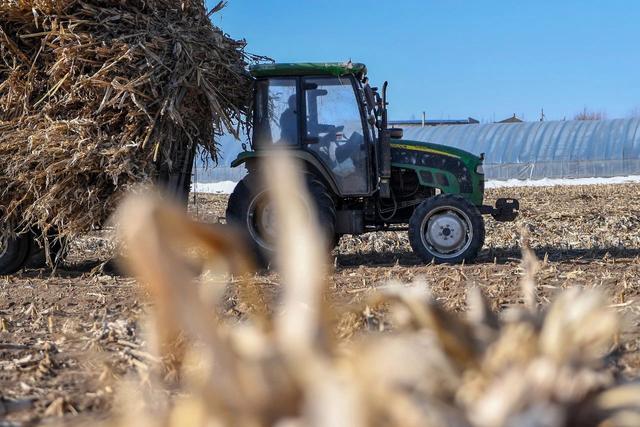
66,337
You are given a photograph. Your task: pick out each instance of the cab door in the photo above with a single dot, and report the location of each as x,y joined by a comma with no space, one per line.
334,132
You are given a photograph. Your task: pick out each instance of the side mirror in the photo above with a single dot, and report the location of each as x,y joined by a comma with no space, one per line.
396,133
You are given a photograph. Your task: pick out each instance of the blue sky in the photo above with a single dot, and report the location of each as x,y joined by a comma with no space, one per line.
455,59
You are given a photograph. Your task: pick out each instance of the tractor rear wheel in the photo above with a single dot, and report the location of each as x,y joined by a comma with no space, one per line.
251,210
446,229
14,250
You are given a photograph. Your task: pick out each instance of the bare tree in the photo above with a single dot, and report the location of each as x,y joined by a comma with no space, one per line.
587,114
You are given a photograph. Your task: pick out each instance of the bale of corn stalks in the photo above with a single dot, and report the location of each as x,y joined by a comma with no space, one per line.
98,95
530,366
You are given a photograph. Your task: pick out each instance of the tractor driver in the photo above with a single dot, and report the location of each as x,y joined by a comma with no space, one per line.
289,123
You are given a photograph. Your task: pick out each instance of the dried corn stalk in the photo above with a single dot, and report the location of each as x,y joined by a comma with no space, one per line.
98,95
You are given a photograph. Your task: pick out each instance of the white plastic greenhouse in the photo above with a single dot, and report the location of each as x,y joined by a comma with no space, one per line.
563,149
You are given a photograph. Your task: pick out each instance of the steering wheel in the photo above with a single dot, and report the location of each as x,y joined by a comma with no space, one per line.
325,142
332,134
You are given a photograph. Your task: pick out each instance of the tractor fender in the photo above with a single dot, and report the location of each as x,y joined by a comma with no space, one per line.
311,162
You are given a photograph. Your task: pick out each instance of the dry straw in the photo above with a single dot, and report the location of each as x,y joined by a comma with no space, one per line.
527,367
98,95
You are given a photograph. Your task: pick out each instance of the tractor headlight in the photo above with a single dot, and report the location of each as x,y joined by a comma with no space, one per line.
480,169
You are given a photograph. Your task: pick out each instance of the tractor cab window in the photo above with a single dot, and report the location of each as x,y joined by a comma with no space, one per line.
334,131
275,112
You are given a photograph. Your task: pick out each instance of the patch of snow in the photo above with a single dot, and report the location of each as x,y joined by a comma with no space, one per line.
547,182
224,187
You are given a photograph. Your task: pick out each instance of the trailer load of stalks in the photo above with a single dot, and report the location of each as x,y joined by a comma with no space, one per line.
96,96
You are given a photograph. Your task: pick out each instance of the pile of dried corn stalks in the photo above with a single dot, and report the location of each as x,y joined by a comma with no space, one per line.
284,367
98,95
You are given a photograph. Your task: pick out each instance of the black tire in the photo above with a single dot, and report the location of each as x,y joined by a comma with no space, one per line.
37,256
446,229
249,202
14,252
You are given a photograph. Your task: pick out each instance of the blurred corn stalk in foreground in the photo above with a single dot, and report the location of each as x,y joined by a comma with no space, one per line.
526,368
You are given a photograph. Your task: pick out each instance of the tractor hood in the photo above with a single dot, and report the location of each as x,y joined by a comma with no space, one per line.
452,170
470,160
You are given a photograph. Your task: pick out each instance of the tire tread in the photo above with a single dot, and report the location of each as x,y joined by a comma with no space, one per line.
17,255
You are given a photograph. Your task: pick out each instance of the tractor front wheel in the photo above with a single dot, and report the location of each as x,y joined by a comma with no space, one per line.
446,229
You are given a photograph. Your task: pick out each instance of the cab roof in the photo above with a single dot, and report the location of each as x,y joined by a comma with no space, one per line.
308,69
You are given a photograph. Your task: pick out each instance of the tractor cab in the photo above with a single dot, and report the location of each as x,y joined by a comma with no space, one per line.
321,111
362,175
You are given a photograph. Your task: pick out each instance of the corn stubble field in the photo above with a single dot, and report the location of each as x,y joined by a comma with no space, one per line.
101,96
386,344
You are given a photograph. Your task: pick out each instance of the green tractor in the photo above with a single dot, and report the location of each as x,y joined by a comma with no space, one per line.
361,175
